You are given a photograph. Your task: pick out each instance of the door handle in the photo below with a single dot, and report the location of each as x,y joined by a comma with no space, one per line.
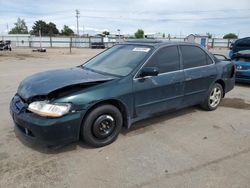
188,79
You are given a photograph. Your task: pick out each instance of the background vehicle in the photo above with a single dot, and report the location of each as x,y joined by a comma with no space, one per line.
240,54
124,84
5,45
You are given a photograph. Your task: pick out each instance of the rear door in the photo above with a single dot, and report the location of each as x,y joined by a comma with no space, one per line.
199,71
162,92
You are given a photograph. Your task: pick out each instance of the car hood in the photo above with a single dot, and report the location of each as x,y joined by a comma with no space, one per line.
43,83
241,54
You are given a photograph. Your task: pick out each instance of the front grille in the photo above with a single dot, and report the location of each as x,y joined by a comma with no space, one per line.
18,105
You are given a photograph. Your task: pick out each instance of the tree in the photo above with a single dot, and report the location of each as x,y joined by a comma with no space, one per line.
67,31
230,36
139,34
20,27
209,35
46,29
39,25
52,30
105,33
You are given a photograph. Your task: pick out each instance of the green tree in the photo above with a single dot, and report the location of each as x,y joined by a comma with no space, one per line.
20,27
46,29
52,30
139,34
67,31
209,35
39,25
230,36
105,33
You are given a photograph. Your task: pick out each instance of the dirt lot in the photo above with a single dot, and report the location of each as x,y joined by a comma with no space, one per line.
188,148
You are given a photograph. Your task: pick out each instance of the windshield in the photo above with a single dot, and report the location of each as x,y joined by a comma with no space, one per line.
119,60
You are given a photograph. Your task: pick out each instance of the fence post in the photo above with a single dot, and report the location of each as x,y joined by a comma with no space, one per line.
29,41
212,43
50,40
70,44
228,43
89,42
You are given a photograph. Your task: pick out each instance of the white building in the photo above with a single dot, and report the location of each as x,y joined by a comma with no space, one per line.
199,39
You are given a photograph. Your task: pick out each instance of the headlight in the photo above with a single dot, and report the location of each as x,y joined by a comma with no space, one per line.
44,108
239,67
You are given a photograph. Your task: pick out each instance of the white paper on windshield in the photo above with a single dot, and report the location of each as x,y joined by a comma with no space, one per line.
141,49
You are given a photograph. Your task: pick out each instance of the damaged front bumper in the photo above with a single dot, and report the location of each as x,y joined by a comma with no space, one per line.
44,130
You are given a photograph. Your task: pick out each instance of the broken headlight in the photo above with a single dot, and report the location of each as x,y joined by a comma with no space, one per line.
44,108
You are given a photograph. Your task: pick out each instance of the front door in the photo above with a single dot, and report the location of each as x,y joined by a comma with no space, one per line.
163,92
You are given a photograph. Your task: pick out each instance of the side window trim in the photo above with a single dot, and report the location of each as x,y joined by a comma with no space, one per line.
180,60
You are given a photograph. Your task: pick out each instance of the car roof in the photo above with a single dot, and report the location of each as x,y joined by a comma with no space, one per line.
156,43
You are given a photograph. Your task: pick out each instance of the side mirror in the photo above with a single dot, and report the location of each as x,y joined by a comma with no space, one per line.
149,71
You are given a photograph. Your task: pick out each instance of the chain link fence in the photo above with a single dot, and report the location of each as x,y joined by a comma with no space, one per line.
85,42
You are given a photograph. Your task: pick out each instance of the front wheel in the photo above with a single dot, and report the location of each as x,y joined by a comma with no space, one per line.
102,125
213,100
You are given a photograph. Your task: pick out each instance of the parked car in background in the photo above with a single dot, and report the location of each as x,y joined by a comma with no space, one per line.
123,84
240,54
5,45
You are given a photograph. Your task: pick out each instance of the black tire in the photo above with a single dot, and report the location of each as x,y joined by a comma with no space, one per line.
102,126
208,102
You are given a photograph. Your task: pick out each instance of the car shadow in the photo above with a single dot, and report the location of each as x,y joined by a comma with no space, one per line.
143,126
146,124
242,84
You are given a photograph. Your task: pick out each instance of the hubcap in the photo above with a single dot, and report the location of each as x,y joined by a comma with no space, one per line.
103,126
215,97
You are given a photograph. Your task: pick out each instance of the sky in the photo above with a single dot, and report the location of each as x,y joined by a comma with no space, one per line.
175,17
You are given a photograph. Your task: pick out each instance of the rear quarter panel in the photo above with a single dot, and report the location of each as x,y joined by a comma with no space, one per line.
226,73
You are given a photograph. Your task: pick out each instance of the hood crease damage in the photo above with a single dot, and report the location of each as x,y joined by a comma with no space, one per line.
50,84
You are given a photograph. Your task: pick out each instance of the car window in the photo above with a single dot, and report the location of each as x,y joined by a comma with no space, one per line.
119,60
166,59
193,56
209,60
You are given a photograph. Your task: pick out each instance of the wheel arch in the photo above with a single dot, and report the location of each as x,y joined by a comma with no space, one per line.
222,83
118,104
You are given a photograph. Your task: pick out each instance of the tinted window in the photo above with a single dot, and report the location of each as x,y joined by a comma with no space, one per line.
193,56
166,59
209,60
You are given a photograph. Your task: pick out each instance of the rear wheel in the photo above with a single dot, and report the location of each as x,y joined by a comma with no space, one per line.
213,100
102,126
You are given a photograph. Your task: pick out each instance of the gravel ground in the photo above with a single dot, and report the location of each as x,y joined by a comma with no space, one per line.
187,148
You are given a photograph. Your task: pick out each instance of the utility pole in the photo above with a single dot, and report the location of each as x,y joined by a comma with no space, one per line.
119,35
7,28
77,21
40,37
